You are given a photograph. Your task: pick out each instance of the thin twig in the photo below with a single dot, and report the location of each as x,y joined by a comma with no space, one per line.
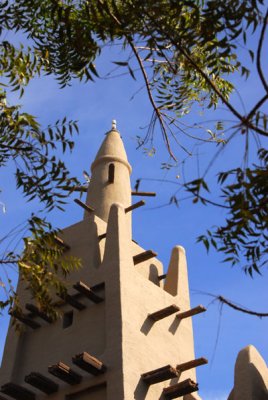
156,109
16,148
231,304
217,337
238,308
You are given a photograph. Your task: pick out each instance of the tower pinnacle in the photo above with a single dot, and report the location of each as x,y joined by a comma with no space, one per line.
110,182
114,125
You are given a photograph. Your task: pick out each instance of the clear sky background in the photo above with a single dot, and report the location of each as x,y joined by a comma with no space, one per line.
220,332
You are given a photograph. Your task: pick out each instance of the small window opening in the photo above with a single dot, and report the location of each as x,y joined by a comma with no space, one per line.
111,173
67,319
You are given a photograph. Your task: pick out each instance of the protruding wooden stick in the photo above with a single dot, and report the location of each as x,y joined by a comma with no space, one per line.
145,255
41,382
65,373
151,194
17,392
86,291
191,364
180,389
98,286
35,310
89,363
25,319
135,205
61,243
83,205
165,312
159,375
161,277
102,236
72,301
189,313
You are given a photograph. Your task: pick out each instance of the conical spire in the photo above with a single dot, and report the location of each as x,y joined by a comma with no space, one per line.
110,182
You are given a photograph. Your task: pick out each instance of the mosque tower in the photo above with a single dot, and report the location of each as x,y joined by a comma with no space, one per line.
126,327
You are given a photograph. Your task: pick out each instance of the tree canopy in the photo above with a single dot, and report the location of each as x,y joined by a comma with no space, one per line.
185,52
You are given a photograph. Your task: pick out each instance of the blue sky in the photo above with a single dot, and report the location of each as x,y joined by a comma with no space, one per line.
220,332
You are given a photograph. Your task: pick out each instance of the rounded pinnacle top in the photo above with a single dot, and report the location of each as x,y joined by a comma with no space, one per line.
112,149
110,181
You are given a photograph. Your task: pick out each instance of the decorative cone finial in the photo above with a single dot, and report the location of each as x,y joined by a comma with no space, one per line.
114,125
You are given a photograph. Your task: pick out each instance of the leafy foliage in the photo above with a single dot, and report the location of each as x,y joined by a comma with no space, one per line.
184,50
38,172
243,238
43,267
40,175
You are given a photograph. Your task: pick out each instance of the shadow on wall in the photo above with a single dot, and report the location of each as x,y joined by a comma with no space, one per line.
153,274
141,390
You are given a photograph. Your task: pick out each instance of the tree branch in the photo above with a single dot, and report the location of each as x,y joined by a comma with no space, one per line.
257,106
259,68
238,308
147,83
243,120
16,148
9,261
156,109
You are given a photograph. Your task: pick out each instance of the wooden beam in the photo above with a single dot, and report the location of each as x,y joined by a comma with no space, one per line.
144,256
83,205
134,206
61,243
98,286
159,375
41,382
102,236
89,364
161,277
189,313
191,364
25,319
147,194
17,392
35,310
180,389
86,291
165,312
72,301
65,373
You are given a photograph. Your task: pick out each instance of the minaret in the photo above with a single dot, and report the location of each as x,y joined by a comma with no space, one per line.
126,328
